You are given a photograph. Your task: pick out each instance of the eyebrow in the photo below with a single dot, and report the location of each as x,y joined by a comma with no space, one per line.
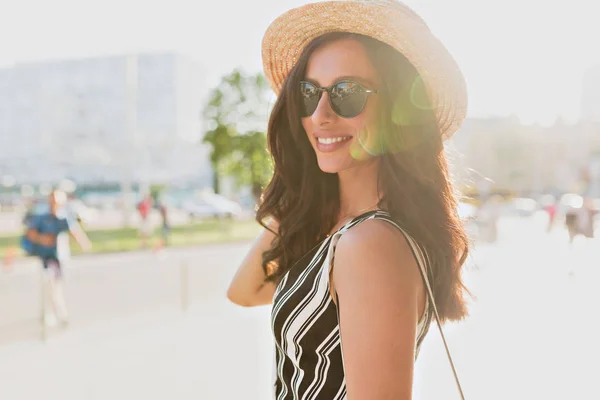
367,82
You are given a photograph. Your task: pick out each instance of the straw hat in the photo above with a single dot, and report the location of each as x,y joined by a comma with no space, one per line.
388,21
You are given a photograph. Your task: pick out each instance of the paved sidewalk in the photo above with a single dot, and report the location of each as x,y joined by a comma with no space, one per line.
532,333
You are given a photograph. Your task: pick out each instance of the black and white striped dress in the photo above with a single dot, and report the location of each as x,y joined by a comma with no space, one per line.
308,355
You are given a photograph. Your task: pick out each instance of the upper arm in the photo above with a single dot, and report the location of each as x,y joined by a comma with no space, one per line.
381,296
265,294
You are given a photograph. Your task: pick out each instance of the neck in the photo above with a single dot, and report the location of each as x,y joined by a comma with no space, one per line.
358,189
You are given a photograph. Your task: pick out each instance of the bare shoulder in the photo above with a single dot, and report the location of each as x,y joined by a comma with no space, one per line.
376,251
374,239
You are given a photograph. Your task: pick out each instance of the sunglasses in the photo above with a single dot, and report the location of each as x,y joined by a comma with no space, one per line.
346,98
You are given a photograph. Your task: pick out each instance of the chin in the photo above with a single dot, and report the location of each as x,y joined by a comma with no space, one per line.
333,162
329,168
331,165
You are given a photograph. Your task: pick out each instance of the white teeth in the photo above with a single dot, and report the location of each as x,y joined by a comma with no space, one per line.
331,140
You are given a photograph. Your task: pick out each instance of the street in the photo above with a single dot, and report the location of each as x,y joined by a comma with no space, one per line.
532,331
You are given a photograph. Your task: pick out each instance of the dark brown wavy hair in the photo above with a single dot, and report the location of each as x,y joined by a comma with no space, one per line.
413,176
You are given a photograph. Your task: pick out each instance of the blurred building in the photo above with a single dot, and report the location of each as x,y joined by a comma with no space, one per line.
501,154
97,120
590,116
590,101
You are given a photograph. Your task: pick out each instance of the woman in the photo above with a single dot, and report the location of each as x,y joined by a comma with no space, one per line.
360,209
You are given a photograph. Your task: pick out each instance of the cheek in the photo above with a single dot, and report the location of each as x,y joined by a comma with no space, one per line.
372,112
307,125
367,141
359,126
368,119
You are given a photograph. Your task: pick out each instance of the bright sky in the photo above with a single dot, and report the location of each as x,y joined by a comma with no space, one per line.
525,57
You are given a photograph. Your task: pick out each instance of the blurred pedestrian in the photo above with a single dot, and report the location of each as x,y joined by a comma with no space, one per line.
144,208
585,220
571,222
549,204
360,220
165,227
579,219
44,238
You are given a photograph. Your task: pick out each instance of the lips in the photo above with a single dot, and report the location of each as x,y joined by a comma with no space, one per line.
332,140
327,144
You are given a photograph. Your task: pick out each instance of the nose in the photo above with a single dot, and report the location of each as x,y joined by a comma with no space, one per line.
323,113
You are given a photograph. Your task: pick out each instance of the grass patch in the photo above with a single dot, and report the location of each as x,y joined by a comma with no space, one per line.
127,239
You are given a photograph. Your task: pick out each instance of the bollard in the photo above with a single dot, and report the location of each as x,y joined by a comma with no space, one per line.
184,285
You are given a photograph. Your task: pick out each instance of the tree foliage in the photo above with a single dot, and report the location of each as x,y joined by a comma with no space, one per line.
236,114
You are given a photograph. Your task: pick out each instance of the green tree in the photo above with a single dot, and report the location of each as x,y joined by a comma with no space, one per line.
236,114
250,163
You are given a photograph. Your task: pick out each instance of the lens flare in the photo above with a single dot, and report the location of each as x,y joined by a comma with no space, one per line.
369,143
418,95
409,111
401,112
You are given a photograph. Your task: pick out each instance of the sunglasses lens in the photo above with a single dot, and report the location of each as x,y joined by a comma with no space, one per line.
310,96
348,99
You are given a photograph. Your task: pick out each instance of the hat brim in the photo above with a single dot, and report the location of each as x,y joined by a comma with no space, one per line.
389,22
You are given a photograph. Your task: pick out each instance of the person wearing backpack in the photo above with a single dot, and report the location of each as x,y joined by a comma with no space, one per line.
44,238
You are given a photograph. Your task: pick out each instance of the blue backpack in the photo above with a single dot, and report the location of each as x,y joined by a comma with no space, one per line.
30,248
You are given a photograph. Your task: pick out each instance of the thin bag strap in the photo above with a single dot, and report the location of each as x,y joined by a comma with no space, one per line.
418,254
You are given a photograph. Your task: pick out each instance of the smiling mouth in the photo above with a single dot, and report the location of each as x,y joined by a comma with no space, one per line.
333,139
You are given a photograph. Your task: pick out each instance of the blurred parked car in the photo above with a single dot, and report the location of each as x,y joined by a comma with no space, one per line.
570,201
212,206
523,207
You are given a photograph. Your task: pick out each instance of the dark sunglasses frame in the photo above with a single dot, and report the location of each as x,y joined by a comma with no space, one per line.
334,107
